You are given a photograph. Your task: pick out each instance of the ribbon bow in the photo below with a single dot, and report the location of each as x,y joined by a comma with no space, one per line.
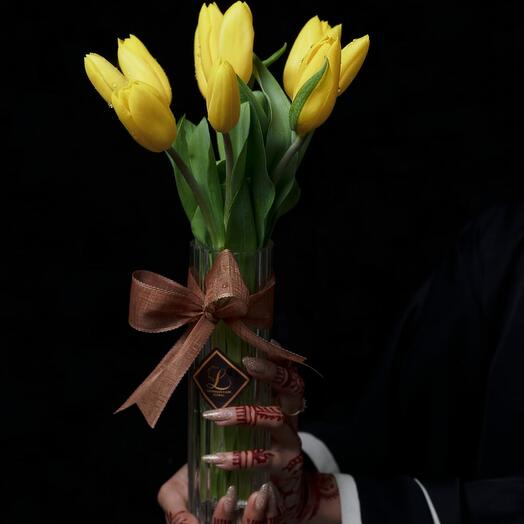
158,304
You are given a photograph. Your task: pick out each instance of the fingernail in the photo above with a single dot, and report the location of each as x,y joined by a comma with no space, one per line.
219,414
230,500
214,459
262,497
254,365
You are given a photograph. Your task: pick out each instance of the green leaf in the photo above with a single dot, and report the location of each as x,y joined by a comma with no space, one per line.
239,137
278,137
246,95
198,226
204,168
287,190
262,187
304,93
275,56
290,201
241,233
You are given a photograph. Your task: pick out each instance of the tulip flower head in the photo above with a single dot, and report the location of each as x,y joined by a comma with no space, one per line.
140,93
223,97
317,43
228,37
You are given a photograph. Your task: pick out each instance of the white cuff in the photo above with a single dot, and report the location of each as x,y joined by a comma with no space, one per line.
349,502
319,453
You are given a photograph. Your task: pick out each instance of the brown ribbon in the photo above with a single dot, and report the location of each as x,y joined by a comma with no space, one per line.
158,304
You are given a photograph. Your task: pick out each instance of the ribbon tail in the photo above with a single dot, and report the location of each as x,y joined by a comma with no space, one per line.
261,343
153,394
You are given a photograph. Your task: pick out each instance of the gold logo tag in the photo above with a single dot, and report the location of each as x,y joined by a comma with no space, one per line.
219,380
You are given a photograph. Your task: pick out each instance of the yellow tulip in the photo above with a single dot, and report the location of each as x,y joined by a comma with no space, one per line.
317,41
223,97
311,33
228,37
145,115
353,56
322,99
104,76
137,64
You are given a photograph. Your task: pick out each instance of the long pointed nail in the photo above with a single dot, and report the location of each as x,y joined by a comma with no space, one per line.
219,415
214,459
230,500
254,365
262,497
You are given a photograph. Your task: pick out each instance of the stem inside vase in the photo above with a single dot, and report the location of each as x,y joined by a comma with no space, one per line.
208,483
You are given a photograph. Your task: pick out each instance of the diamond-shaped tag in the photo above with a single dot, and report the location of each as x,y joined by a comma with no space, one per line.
219,380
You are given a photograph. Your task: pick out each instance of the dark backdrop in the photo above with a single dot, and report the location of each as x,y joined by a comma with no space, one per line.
428,135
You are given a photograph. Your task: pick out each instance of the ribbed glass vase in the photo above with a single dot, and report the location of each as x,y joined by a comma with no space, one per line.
218,379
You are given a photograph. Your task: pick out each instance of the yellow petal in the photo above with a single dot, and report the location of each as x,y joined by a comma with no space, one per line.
137,64
310,34
145,115
353,56
314,59
223,100
236,39
215,21
104,76
206,43
322,100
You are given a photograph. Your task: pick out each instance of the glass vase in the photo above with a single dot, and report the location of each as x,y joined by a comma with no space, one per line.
218,379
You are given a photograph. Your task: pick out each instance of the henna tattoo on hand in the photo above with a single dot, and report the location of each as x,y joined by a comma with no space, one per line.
250,458
321,486
251,415
180,517
289,379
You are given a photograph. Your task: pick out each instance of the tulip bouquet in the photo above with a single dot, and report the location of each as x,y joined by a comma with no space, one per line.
235,187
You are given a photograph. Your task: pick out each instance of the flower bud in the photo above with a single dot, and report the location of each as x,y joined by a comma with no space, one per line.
321,101
310,34
145,115
223,97
228,37
137,64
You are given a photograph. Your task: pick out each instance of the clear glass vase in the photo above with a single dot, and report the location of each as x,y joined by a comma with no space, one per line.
217,379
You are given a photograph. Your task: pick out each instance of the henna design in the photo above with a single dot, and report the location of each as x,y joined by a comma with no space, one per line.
322,486
180,517
295,461
251,415
250,458
289,379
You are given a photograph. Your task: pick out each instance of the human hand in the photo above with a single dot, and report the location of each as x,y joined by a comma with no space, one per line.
299,496
173,499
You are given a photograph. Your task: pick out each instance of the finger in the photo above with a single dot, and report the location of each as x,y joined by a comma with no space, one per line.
256,508
248,459
285,380
180,517
225,509
262,416
270,417
272,512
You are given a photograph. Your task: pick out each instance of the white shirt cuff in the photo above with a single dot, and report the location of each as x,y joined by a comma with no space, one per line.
349,502
319,453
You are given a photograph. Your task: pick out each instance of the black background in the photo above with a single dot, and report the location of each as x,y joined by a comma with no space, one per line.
428,135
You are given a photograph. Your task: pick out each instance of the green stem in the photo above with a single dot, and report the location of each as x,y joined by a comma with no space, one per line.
288,155
228,148
199,196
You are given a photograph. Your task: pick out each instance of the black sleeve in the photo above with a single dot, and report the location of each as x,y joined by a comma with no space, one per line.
409,501
444,403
